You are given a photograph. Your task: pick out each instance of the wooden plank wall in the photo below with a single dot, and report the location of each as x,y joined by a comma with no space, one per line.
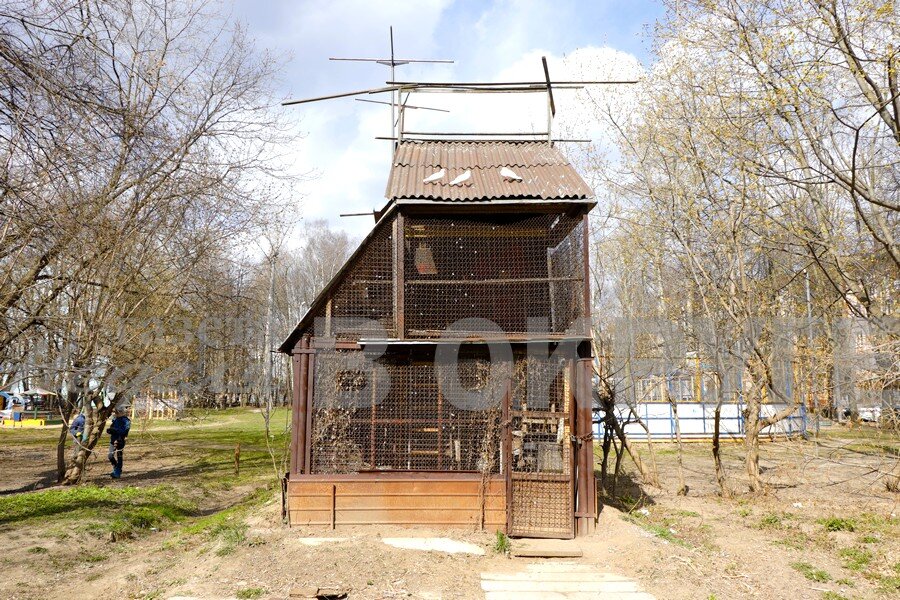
432,502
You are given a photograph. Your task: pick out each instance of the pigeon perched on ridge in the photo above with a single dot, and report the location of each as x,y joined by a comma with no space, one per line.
435,176
467,175
508,173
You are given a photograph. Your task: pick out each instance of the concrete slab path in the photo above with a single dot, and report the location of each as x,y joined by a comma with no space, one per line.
559,580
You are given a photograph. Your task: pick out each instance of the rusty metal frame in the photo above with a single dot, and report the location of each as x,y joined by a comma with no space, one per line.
585,508
506,455
310,394
399,475
299,362
399,276
308,351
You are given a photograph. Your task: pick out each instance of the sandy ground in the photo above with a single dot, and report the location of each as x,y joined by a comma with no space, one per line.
698,546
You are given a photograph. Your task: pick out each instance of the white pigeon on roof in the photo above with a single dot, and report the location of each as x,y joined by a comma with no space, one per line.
508,173
435,176
461,179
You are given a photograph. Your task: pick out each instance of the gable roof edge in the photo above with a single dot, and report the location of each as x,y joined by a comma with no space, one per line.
290,341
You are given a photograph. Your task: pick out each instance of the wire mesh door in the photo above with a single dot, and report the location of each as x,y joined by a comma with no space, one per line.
541,487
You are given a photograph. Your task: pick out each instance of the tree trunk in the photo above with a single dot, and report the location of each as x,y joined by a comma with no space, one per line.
721,478
604,462
682,486
76,467
66,409
617,468
61,452
650,475
751,442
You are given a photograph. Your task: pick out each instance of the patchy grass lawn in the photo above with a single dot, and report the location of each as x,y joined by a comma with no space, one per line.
180,486
190,525
826,527
119,512
173,470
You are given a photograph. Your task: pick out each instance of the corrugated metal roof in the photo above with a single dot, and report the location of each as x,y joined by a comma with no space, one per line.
546,174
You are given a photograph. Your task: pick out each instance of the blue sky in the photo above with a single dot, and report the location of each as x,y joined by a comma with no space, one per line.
489,40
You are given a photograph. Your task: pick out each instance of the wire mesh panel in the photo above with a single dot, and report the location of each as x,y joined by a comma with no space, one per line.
365,295
395,413
541,502
398,412
502,268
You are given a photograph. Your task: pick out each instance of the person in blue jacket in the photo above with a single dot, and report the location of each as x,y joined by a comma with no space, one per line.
76,430
76,427
118,433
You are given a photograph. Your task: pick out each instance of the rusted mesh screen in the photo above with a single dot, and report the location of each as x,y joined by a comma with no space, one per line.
395,414
541,450
541,509
505,269
399,413
365,295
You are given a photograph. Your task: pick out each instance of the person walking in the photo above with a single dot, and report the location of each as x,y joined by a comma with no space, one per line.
118,433
76,430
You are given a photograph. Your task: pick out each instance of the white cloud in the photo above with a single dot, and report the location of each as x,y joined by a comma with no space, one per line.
502,43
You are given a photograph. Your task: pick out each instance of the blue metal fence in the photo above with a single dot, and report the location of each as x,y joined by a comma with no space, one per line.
697,421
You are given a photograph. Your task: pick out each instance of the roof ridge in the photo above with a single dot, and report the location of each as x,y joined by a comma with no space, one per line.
408,141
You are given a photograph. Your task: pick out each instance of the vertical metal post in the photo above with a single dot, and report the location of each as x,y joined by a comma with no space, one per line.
586,253
399,275
373,425
585,507
506,455
549,119
310,394
574,449
296,395
393,97
301,393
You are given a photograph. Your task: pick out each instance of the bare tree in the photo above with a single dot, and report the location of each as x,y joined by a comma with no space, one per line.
134,139
756,182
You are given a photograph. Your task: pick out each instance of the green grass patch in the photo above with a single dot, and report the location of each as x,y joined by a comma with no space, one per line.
141,508
501,543
96,558
37,550
889,585
873,523
227,527
810,572
837,524
666,533
870,539
774,520
873,448
250,593
829,595
238,511
221,429
855,559
662,531
629,502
